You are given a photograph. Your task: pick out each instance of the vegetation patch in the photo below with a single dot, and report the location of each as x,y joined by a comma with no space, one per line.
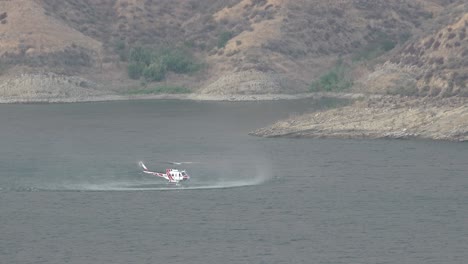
164,89
153,65
334,80
121,49
3,68
223,38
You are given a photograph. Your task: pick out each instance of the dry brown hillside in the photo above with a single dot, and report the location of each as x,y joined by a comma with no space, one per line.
30,37
433,65
247,46
299,40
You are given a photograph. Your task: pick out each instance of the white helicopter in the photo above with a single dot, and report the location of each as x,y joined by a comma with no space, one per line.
172,175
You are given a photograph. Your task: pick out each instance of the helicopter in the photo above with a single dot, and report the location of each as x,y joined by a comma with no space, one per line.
171,175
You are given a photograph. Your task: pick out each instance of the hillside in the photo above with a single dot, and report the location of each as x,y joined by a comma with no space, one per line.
30,37
435,65
243,46
422,85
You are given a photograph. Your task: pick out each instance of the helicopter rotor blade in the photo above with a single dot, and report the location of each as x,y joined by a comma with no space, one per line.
180,162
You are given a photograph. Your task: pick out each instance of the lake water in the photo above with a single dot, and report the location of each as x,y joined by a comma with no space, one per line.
71,190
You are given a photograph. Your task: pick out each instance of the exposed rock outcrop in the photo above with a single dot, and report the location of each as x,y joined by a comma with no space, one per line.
388,117
46,88
253,82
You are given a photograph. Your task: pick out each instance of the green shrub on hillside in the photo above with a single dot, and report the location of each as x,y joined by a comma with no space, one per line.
333,80
387,45
178,61
223,38
119,45
3,68
154,64
154,72
135,70
141,55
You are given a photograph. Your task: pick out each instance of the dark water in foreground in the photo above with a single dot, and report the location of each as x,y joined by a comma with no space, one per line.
71,192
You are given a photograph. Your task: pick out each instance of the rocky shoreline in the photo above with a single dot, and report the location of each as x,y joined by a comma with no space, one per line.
55,88
387,117
371,116
192,97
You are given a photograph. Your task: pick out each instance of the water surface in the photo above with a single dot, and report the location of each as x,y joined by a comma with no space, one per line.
71,191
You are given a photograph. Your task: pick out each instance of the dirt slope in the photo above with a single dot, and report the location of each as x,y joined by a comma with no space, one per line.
300,40
30,37
434,65
270,46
